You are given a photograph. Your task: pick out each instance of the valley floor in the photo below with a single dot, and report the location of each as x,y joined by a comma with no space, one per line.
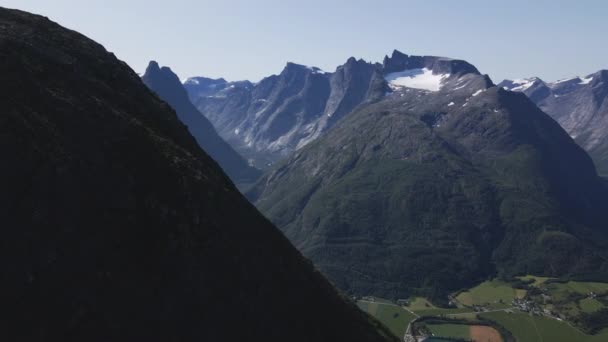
529,309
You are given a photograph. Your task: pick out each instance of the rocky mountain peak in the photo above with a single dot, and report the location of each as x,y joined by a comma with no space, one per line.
600,77
295,68
438,65
165,73
166,84
152,67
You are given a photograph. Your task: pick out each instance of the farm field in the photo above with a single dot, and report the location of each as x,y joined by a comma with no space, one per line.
477,333
578,287
423,307
590,305
392,316
492,294
550,311
527,328
460,331
481,333
537,280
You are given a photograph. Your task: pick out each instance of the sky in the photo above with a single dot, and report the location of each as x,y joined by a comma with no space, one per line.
248,39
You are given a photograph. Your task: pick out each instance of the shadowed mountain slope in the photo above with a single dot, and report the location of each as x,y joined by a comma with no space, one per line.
116,226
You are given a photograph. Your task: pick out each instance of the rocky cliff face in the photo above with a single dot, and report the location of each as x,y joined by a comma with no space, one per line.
281,113
168,87
116,226
580,105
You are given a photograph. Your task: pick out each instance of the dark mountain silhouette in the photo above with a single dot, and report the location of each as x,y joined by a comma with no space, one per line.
116,226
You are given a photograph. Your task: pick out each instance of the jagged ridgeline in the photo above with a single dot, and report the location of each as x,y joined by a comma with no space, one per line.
117,226
168,87
269,120
445,181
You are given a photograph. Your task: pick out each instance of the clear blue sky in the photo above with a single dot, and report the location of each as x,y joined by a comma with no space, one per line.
248,39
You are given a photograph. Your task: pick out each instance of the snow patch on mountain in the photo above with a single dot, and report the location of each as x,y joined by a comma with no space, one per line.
316,70
523,84
586,80
574,81
566,80
191,80
416,78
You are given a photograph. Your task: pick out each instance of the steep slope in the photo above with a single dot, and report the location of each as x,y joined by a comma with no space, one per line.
116,226
168,87
271,119
444,182
580,105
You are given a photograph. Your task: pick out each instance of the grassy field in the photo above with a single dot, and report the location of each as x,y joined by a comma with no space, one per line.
478,333
444,312
494,294
569,300
526,328
423,307
538,281
394,317
420,303
590,305
450,330
580,287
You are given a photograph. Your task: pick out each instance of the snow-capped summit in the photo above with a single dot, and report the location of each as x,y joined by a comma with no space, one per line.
416,78
431,73
521,84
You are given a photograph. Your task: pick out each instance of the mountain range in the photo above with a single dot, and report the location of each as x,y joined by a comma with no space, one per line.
418,176
269,120
580,105
441,183
117,226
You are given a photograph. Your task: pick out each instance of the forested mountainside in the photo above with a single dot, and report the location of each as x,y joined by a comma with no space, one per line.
444,182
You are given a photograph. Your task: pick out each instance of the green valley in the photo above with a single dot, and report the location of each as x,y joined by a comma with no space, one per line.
528,308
